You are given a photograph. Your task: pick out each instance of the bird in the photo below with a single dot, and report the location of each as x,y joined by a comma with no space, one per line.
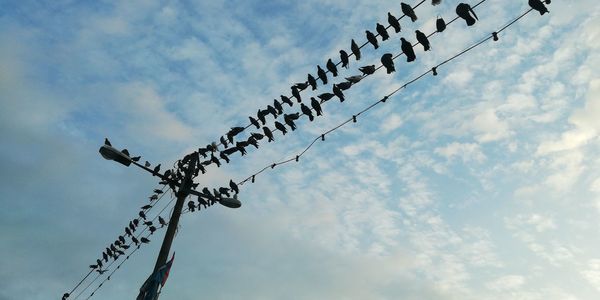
122,239
312,81
105,256
142,215
344,59
539,6
136,158
252,141
128,231
408,50
436,2
367,70
100,271
136,222
464,11
301,85
272,111
286,100
224,157
354,79
268,133
153,197
254,122
393,21
223,141
408,11
147,206
134,240
307,111
125,246
338,92
156,170
233,187
152,229
107,142
382,32
99,263
215,160
202,151
257,136
144,240
233,132
290,118
322,75
355,50
344,85
325,97
261,116
372,39
162,221
65,296
331,67
93,266
440,24
224,191
388,62
316,106
280,127
296,94
147,164
422,38
191,206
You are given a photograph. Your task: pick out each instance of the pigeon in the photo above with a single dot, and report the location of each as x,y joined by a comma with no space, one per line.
354,79
408,11
261,116
156,170
280,127
539,6
223,141
344,59
153,197
215,160
252,141
224,191
136,222
372,39
161,221
126,152
191,206
109,252
147,164
152,229
233,187
331,67
367,70
122,239
100,271
145,207
388,62
93,266
286,100
128,231
408,50
289,120
233,132
136,158
440,24
142,215
272,111
107,142
268,133
464,11
296,94
257,136
355,50
338,92
105,256
422,38
436,2
254,122
224,157
241,148
301,86
344,85
316,106
134,240
148,223
99,263
382,32
65,296
312,81
325,97
322,74
144,240
306,110
125,247
394,22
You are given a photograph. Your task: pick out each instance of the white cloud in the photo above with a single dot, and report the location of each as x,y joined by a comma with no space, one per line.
391,123
508,282
467,152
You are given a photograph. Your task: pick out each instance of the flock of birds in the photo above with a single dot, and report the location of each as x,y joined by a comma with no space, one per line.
230,144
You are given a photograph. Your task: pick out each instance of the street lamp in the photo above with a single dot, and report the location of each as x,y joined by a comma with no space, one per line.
110,153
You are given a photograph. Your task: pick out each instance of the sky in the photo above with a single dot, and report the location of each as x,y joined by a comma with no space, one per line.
480,183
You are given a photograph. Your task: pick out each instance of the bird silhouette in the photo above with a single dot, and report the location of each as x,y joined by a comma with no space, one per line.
254,122
289,120
280,127
338,92
234,187
158,191
367,70
135,241
144,240
152,229
142,215
408,50
148,223
382,32
136,158
224,157
372,39
307,111
215,160
122,239
101,271
331,67
322,75
224,191
233,132
408,11
99,263
325,97
268,133
312,81
539,6
65,296
286,100
272,111
344,59
355,50
388,62
162,221
261,116
344,85
436,2
301,86
109,252
156,170
105,256
147,164
136,222
393,21
296,94
145,207
107,142
191,206
440,24
422,38
316,106
354,79
464,11
223,141
241,147
93,266
128,231
252,141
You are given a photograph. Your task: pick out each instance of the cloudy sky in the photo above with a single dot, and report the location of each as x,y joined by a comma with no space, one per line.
480,183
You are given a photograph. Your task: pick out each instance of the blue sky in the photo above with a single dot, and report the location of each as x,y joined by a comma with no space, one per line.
480,183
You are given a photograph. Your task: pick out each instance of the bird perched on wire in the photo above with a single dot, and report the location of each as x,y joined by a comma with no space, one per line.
289,120
408,11
254,122
272,111
344,85
162,221
261,116
338,92
224,156
135,241
354,79
367,70
252,141
388,62
215,160
422,38
436,2
301,86
107,142
440,24
100,271
234,187
382,32
539,6
316,106
344,59
156,170
408,50
296,94
465,11
307,111
355,50
224,191
241,147
322,75
191,206
142,215
268,133
286,100
312,82
144,240
372,39
152,229
223,141
325,97
331,67
146,207
233,132
280,127
393,21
